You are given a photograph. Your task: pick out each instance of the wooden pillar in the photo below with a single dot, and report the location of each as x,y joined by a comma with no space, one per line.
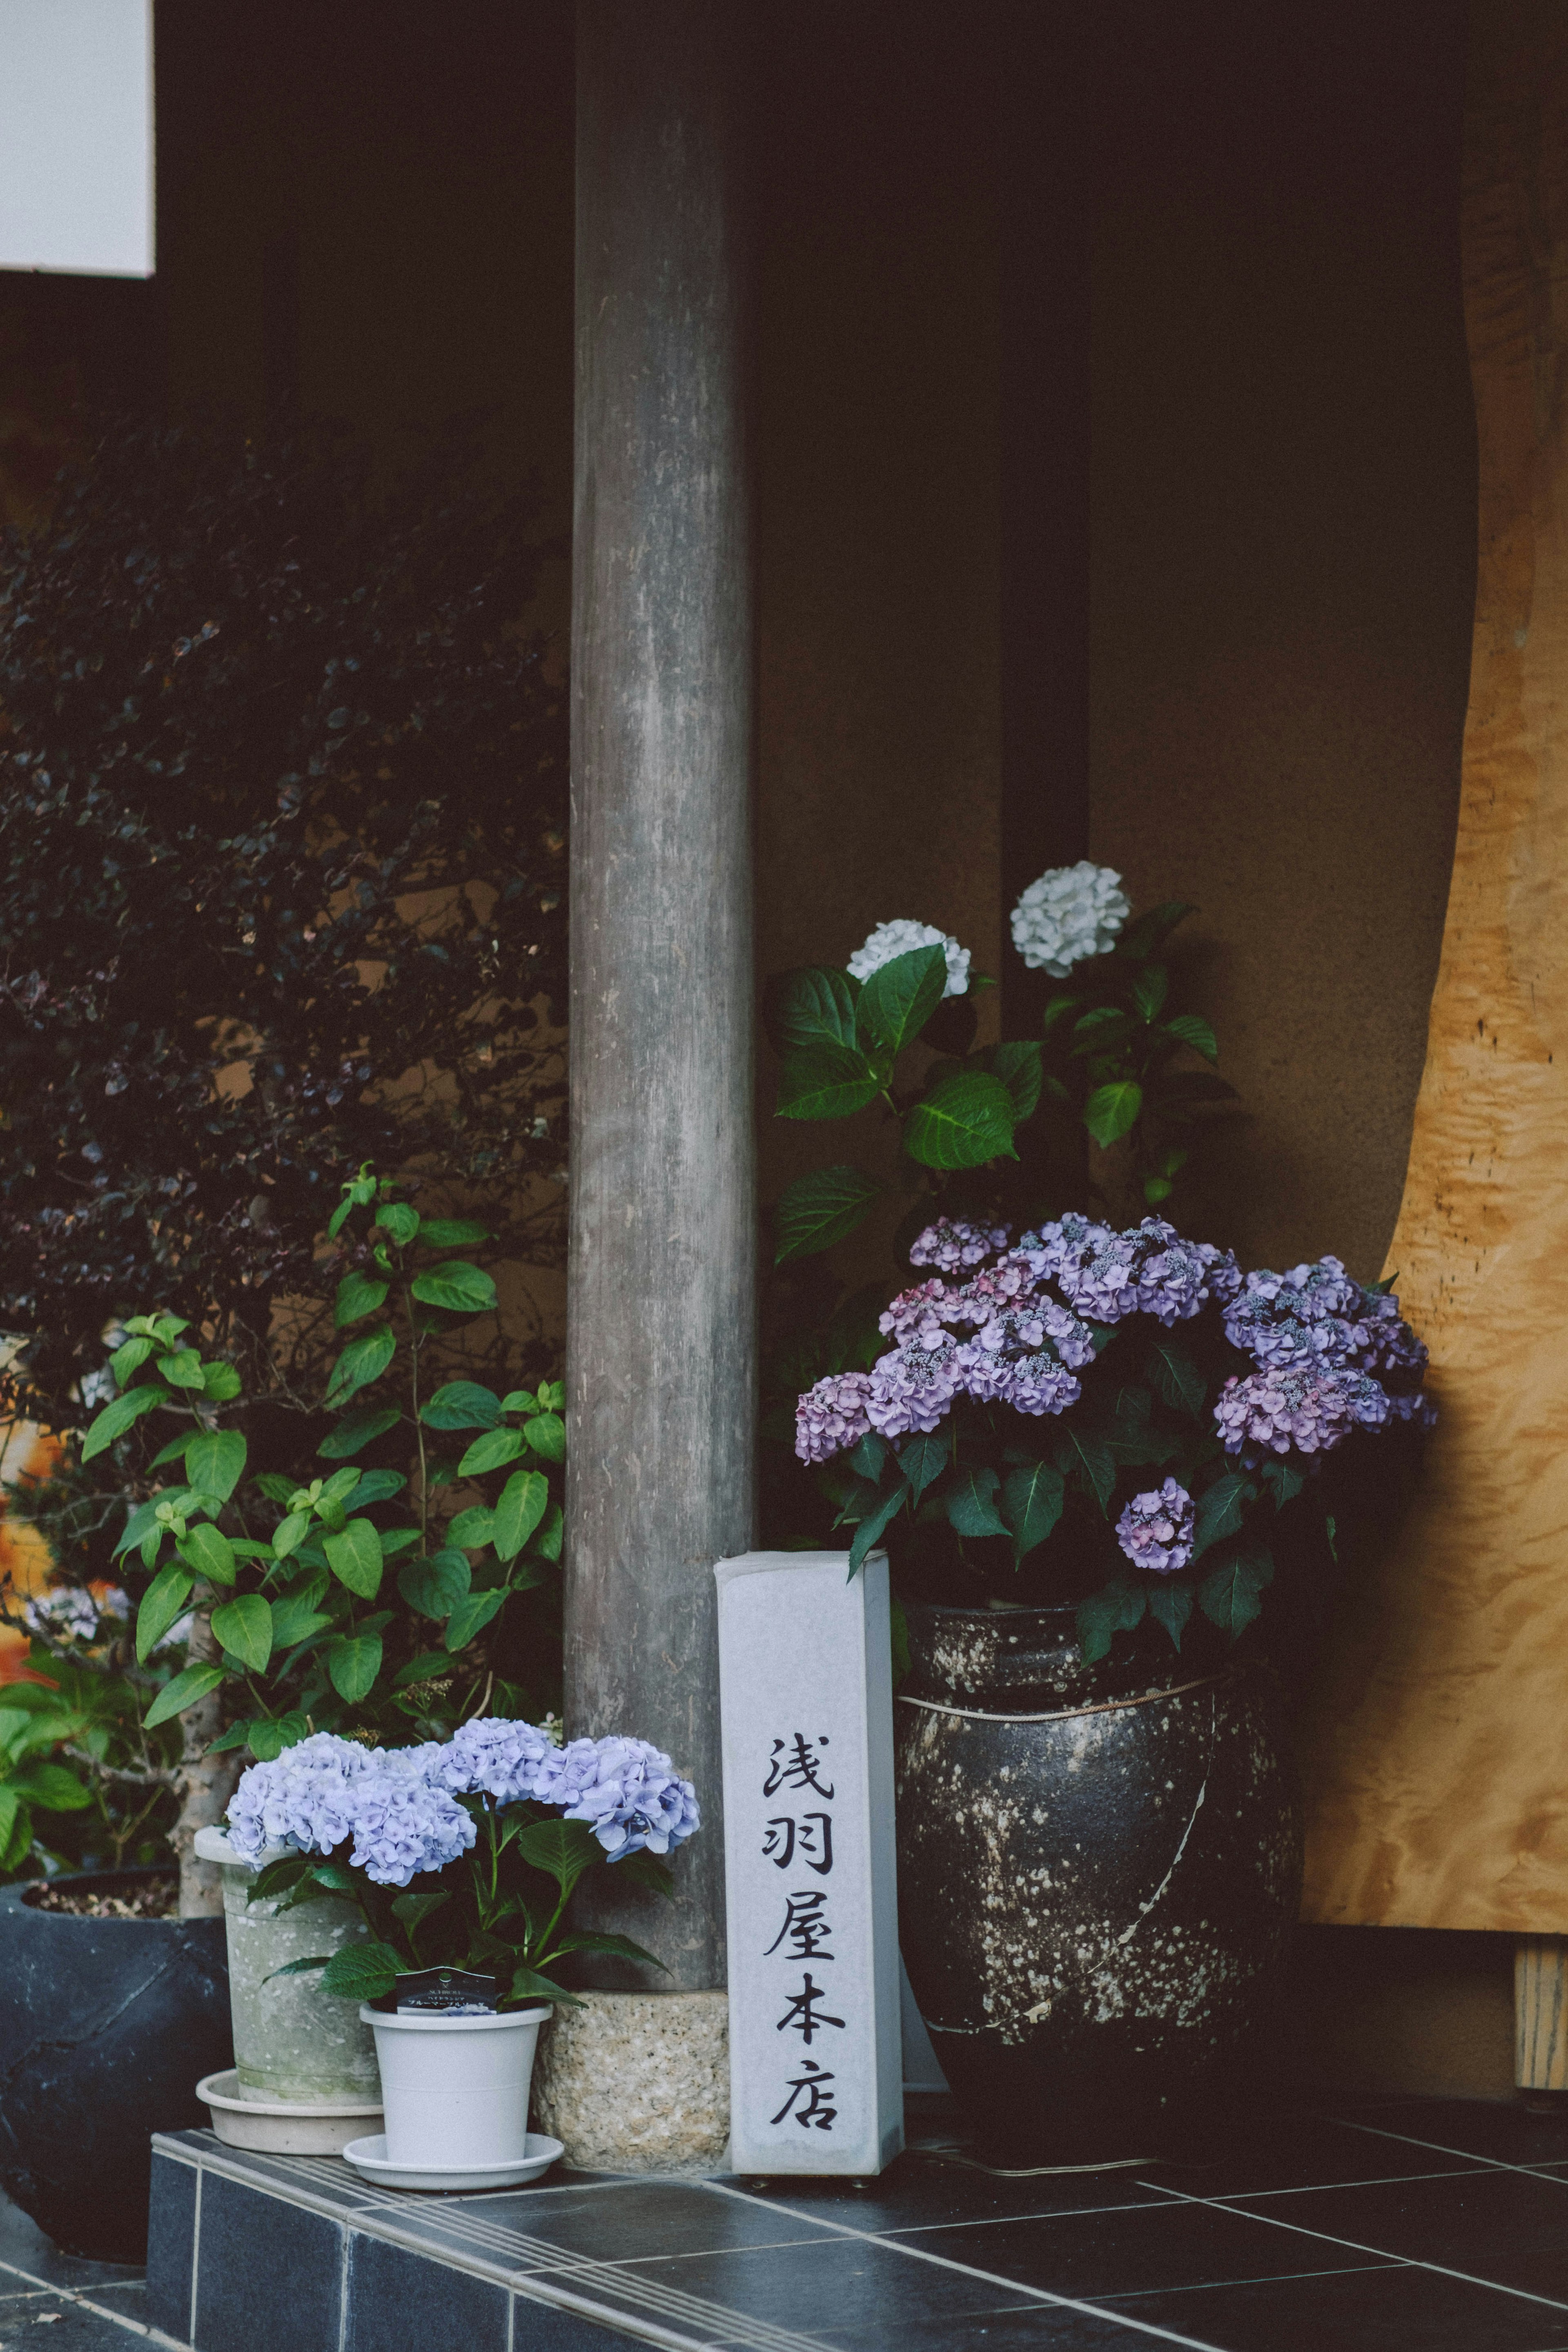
1541,2013
661,1320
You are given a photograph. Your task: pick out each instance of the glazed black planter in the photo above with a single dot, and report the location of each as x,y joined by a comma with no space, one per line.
106,2028
1100,1871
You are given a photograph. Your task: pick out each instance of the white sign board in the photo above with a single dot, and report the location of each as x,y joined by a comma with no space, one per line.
806,1681
75,136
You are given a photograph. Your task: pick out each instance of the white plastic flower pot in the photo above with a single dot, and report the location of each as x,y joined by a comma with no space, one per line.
455,2089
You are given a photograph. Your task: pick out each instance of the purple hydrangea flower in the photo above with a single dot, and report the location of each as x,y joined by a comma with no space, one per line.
1035,1384
628,1790
949,1245
300,1799
402,1822
1176,1277
911,1389
1417,1409
1390,1345
1155,1530
919,1314
1150,1269
832,1415
495,1757
1304,1411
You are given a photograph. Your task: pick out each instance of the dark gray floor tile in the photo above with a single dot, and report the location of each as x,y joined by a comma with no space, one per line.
398,2299
1511,2228
1037,2329
171,2244
23,2247
1142,2247
1399,2309
1508,2132
626,2224
541,2327
267,2273
1307,2151
69,2328
920,2192
828,2290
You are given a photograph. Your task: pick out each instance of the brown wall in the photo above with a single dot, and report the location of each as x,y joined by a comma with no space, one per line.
1284,501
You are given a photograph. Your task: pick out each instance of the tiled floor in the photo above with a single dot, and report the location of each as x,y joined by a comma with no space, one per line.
49,2302
1410,2227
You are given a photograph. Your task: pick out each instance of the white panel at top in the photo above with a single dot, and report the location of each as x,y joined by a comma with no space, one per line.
75,136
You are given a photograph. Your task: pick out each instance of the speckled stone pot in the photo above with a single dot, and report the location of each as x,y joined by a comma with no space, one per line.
1100,1871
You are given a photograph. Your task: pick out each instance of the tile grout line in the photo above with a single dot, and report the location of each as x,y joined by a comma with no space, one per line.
1279,2278
1039,2295
346,2234
80,2295
1438,2148
1357,2245
196,2251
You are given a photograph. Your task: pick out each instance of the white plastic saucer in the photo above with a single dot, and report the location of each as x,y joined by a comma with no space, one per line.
368,2157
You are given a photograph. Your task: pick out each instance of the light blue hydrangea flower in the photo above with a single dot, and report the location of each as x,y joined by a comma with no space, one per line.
300,1799
626,1788
493,1757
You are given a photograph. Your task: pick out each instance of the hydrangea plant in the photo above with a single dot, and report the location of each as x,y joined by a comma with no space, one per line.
1127,1398
349,1596
1110,1053
501,1822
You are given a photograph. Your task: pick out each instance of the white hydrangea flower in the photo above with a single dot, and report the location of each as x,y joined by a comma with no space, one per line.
1071,912
901,937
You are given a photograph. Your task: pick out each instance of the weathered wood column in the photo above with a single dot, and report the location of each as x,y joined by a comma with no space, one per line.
661,1322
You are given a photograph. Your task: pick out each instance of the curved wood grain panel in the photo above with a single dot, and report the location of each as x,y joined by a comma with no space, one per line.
1436,1751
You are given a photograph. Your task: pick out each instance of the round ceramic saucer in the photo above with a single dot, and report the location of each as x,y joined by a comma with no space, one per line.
368,2157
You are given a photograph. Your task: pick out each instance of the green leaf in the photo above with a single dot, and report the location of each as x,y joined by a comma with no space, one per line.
622,1946
524,1500
174,1451
130,1358
295,1618
963,1121
519,1401
1194,1031
1112,1110
352,1434
1101,1030
455,1284
214,1461
1150,990
1283,1480
1177,1378
396,1218
900,998
182,1691
412,1910
362,1361
353,1664
289,1534
552,1396
1058,1009
1170,1605
472,1529
461,1404
118,1416
971,1505
564,1850
818,1210
470,1617
546,1434
1032,1504
376,1487
244,1628
868,1455
870,1528
813,1007
182,1370
209,1553
922,1459
220,1383
397,1539
275,1487
422,1669
645,1869
528,1985
53,1788
266,1739
1021,1071
355,1558
435,1587
358,1295
1150,932
488,1452
140,1522
162,1604
452,1233
361,1972
1091,1455
341,1484
547,1542
13,1815
1116,1609
1217,1511
1228,1594
825,1082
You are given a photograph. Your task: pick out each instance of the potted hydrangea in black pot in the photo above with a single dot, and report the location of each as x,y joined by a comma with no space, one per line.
1090,1452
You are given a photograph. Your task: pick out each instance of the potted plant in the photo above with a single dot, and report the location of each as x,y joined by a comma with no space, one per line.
462,1857
1090,1452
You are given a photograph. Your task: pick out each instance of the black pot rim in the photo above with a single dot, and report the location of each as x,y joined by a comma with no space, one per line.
89,1881
1063,1611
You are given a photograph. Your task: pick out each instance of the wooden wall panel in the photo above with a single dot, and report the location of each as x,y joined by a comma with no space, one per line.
1436,1751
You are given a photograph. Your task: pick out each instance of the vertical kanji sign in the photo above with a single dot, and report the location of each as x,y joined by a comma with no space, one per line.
75,136
807,1685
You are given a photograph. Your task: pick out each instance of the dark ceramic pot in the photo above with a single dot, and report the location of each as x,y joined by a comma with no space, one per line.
1100,1870
106,2028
